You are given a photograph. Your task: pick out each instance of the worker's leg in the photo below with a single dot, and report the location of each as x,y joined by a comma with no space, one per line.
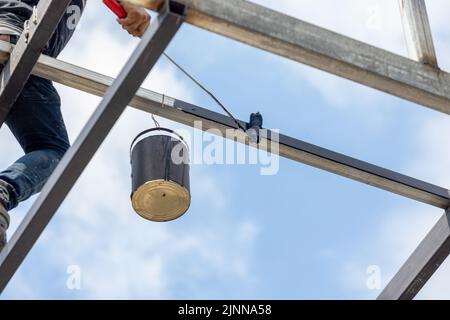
36,122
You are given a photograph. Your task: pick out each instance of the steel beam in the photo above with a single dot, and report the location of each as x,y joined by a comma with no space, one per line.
422,264
417,30
16,72
295,149
320,48
405,285
417,81
93,134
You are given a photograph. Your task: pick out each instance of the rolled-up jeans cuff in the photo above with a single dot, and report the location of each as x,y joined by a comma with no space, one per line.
8,195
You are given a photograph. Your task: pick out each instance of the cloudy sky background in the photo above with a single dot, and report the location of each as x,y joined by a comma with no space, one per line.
302,233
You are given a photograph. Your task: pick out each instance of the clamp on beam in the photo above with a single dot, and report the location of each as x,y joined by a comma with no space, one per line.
254,127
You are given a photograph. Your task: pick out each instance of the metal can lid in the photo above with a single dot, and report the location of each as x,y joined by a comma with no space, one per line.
161,200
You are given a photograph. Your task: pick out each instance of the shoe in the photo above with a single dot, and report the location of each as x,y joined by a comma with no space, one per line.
4,224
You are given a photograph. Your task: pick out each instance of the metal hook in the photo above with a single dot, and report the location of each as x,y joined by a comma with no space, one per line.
155,121
26,30
153,116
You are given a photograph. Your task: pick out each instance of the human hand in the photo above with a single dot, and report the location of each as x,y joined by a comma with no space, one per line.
137,20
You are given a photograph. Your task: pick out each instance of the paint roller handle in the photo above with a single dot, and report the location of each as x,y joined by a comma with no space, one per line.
116,7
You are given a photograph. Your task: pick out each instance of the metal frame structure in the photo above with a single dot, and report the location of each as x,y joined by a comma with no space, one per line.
418,81
33,40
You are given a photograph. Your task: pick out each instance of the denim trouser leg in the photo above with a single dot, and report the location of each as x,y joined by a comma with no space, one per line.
36,122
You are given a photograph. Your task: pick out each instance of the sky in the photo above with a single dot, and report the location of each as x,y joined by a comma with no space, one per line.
300,234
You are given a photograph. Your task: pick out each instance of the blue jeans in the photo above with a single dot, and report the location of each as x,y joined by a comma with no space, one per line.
37,124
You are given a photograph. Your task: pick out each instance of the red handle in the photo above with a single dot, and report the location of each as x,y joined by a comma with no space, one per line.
116,7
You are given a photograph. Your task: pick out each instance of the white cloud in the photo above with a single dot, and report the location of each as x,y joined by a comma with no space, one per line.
373,21
376,22
433,157
400,233
121,255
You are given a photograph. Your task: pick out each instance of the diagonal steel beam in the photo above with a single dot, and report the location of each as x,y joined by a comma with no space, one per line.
294,149
93,134
422,264
16,72
326,50
418,31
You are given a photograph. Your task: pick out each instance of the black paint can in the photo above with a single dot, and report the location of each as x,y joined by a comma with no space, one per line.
160,175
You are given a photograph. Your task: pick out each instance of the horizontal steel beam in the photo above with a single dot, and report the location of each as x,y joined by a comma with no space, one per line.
17,70
116,99
320,48
422,264
297,150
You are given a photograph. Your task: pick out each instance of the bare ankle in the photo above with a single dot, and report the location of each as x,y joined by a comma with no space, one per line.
5,37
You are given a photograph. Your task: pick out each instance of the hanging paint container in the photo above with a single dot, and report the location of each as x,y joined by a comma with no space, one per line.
160,175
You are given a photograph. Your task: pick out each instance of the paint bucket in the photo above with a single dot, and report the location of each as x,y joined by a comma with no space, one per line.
160,175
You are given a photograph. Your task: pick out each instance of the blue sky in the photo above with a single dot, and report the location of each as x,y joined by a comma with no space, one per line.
300,234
